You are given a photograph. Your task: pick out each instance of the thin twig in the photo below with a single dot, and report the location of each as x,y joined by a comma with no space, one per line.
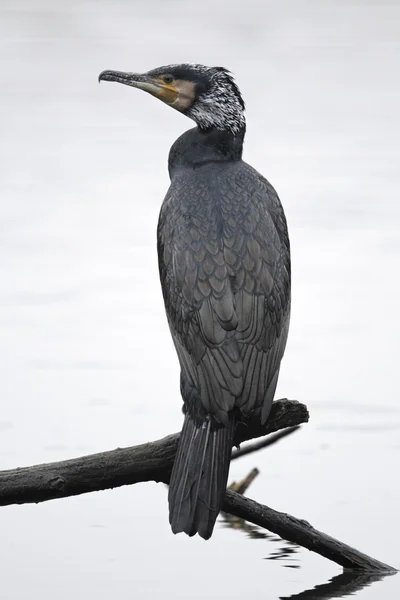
241,486
268,441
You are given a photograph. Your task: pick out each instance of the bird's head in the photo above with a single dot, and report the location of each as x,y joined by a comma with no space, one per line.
208,95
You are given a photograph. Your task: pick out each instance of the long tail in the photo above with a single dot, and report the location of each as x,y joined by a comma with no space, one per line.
199,476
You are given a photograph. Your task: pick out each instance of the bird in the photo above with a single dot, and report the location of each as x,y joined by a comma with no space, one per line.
225,273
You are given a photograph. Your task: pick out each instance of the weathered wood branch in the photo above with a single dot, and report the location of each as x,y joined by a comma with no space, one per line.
302,533
153,462
292,529
123,466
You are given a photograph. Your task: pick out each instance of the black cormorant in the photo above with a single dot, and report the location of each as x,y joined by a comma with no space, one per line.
224,263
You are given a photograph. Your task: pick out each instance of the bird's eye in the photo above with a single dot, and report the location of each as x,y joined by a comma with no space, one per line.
168,79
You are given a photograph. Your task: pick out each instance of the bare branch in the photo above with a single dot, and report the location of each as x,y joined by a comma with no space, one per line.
153,462
302,533
124,466
268,441
241,486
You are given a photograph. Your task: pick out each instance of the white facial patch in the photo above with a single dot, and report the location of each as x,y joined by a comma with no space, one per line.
220,107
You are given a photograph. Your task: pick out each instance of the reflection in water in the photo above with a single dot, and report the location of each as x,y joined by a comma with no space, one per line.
285,551
343,585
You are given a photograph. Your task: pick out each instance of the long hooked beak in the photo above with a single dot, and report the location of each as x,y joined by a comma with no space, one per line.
156,87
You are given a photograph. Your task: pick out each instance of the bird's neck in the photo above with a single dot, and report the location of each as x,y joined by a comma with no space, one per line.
195,147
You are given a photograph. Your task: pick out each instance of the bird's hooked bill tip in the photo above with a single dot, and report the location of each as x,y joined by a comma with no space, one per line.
119,76
107,76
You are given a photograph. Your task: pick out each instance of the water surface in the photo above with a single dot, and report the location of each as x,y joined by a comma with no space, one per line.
86,359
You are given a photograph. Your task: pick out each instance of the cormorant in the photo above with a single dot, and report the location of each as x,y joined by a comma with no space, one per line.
224,263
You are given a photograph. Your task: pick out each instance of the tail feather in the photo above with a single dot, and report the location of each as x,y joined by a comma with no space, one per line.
199,476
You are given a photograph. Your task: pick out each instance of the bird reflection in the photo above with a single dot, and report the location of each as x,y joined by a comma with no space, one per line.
341,586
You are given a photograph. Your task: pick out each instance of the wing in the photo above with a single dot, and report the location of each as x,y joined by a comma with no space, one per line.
257,251
225,274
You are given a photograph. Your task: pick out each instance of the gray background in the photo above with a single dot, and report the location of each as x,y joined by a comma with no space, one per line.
83,174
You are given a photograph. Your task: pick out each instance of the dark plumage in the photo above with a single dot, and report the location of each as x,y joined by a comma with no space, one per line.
224,264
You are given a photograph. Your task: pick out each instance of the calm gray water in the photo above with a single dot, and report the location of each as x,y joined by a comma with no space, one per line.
83,173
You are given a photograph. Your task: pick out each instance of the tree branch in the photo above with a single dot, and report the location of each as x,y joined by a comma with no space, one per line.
153,462
302,533
268,441
124,466
241,486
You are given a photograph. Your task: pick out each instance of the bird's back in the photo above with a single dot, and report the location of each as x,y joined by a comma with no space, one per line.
225,273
